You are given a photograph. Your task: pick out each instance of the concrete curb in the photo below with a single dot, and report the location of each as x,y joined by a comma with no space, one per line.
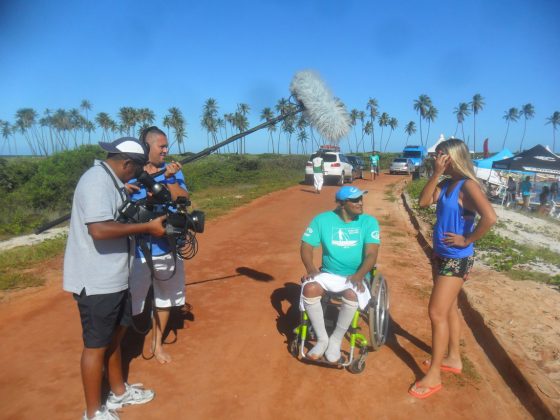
521,383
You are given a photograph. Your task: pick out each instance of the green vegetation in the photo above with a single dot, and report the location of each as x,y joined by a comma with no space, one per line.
37,190
12,273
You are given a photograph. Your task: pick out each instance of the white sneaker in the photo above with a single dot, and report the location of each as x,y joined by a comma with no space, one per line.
102,414
134,394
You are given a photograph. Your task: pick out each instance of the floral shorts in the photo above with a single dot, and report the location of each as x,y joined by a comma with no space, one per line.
453,267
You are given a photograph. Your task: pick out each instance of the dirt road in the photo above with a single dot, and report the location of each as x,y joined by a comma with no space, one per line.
231,359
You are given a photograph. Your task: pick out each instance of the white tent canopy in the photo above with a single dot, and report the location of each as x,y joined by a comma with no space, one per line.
433,148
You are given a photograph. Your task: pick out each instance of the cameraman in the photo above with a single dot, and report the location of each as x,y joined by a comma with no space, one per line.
168,274
96,271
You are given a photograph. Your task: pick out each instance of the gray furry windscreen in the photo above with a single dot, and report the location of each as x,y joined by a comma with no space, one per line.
325,112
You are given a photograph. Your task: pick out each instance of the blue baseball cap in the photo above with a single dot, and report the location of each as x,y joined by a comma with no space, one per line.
346,192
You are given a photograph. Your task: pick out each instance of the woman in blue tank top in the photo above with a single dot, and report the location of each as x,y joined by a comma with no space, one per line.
459,197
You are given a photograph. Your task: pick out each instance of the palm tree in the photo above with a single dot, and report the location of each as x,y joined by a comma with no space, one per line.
243,109
421,105
127,115
393,123
85,105
461,112
301,125
554,119
353,120
528,112
302,138
372,108
6,129
477,105
241,123
146,118
431,116
511,115
383,122
104,122
209,120
368,129
267,115
409,129
281,107
25,123
175,120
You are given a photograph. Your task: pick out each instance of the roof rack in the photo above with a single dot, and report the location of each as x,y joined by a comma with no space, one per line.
329,148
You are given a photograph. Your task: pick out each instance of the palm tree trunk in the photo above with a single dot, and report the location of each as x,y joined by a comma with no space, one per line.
505,137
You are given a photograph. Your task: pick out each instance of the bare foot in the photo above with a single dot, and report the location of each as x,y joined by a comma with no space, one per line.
447,364
162,356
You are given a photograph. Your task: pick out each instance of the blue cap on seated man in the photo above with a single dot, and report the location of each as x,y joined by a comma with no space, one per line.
346,192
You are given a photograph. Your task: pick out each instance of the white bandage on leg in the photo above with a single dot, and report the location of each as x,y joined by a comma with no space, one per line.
345,316
315,313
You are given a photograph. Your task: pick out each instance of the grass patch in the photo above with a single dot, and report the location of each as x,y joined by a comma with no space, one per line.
390,195
470,373
534,276
19,266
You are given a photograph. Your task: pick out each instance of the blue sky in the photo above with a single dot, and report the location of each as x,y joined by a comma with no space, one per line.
139,53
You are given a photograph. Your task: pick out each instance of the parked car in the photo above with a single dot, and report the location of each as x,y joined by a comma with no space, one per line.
337,168
357,166
401,165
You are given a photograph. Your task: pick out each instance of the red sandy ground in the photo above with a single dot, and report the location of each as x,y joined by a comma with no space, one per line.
231,359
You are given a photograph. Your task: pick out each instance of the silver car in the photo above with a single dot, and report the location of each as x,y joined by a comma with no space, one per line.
401,166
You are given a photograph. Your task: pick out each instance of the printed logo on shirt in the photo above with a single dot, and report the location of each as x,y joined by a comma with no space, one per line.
345,237
375,234
308,232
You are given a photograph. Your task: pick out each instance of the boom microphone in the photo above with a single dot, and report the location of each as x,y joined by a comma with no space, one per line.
326,113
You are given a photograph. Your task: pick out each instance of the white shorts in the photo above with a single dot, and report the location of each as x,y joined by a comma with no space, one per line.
167,293
337,284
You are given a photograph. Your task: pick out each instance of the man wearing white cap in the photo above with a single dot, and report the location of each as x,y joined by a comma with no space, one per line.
96,271
350,244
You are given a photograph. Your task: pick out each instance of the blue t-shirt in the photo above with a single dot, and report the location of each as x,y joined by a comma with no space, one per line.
451,217
343,243
525,188
159,246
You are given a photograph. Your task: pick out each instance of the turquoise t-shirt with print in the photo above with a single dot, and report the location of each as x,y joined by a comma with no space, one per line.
343,243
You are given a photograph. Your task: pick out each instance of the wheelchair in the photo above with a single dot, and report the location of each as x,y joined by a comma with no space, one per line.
375,315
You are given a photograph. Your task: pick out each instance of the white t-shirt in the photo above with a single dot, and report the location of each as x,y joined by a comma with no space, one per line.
99,266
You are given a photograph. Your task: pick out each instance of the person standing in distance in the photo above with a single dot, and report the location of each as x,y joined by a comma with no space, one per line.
459,198
96,271
350,243
168,276
525,188
318,169
374,164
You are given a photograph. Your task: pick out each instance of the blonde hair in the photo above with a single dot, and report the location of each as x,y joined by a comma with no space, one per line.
460,157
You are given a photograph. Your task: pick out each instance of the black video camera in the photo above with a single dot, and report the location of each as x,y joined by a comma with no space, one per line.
181,226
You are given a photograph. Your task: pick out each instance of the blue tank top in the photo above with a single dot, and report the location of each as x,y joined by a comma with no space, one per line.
451,217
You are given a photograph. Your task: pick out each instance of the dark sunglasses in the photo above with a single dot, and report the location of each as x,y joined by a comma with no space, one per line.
355,200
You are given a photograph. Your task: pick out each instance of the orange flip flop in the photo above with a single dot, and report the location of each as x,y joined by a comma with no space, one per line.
431,390
444,368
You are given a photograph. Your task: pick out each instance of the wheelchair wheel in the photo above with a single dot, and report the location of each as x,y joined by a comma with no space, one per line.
378,312
359,364
293,346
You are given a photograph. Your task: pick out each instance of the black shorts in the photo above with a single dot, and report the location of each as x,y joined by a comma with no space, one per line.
101,314
453,267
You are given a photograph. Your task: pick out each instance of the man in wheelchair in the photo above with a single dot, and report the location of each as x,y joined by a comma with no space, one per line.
350,244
